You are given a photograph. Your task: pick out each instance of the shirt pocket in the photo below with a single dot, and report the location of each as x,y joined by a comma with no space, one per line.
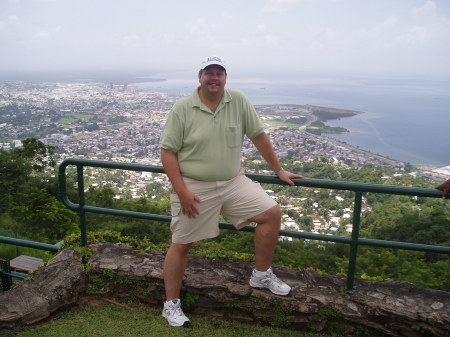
233,135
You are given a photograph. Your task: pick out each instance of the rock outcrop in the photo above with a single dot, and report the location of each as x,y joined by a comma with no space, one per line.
220,288
54,286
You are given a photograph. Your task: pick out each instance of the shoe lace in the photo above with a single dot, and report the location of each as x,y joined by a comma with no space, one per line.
175,311
273,280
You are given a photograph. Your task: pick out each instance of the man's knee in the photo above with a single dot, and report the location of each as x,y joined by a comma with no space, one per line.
275,212
275,217
180,248
272,215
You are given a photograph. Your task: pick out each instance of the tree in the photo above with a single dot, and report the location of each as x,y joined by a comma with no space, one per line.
40,155
101,197
385,264
26,193
17,166
41,217
155,231
14,172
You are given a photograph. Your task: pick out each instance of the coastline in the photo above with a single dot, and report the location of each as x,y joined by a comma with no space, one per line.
307,112
396,111
277,111
332,114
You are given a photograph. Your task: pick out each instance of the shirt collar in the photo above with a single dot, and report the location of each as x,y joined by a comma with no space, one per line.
197,103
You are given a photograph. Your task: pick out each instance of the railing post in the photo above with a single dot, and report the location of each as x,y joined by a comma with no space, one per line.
5,275
81,210
354,241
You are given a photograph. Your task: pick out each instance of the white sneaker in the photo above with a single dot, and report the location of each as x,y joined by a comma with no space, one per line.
174,315
271,282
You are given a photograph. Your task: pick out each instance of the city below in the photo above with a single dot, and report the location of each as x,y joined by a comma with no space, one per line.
123,123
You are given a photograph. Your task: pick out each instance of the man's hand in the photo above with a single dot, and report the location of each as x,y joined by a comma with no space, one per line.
287,176
446,188
188,202
188,199
264,146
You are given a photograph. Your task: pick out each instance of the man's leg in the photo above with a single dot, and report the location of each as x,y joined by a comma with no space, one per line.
173,272
174,267
266,238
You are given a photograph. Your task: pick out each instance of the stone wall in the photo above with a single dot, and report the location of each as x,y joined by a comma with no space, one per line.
53,287
220,288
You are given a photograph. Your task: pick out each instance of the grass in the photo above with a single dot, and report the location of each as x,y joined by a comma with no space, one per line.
132,320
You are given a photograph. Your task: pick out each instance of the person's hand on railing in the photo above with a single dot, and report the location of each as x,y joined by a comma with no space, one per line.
446,188
287,176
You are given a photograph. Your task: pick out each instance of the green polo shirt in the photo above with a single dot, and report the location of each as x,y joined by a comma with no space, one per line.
208,145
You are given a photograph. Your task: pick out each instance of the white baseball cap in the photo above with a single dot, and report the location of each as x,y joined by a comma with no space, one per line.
216,60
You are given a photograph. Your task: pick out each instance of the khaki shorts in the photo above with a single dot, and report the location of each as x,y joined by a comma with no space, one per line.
238,199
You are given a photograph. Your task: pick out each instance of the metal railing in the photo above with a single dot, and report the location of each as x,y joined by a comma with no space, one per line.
6,274
354,241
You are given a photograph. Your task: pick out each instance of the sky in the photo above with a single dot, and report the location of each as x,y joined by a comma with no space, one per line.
384,37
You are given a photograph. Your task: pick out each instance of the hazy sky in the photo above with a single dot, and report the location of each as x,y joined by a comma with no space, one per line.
359,36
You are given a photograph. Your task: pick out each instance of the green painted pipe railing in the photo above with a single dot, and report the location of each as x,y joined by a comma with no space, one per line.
7,273
30,244
354,241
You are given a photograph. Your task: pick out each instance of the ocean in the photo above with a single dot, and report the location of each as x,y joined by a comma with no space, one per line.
403,118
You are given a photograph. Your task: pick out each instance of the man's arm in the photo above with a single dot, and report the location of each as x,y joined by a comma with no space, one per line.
188,199
264,146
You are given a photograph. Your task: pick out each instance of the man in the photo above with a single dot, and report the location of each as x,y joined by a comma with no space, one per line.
200,152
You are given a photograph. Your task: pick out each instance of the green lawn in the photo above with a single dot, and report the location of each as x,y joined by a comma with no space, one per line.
139,320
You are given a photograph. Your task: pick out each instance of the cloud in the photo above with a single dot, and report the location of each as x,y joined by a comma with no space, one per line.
201,26
13,18
428,7
8,21
131,38
381,28
321,38
46,34
271,40
260,28
430,31
305,34
194,27
279,6
41,35
227,16
48,1
418,35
